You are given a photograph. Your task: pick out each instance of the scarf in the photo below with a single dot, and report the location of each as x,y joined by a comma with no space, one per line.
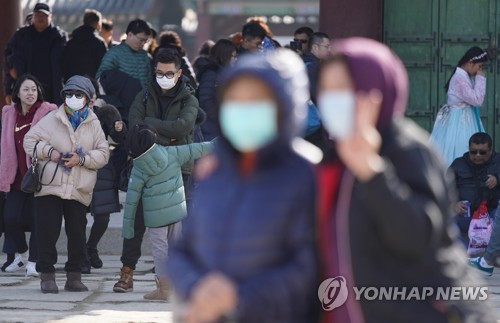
78,116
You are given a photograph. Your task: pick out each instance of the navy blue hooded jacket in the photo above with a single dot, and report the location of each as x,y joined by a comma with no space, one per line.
258,230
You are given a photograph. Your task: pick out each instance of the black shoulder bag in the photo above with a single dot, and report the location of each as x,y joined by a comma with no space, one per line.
31,182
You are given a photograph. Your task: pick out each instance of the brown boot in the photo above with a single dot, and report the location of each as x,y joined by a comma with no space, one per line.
74,282
48,283
126,281
161,291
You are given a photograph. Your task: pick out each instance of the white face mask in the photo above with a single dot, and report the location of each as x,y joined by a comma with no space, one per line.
337,110
74,103
166,83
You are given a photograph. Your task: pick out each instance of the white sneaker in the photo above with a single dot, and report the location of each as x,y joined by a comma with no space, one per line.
31,269
18,264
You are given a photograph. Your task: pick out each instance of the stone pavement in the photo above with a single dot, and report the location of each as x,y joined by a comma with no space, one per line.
22,301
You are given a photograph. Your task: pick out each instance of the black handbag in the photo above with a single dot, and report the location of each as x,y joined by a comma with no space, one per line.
32,180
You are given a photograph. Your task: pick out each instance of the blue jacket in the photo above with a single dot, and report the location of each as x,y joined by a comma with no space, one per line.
156,178
257,230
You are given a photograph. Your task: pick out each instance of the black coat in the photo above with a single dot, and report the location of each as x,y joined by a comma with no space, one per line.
121,90
105,196
396,232
22,54
207,96
83,53
470,180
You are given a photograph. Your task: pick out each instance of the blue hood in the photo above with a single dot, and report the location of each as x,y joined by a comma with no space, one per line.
285,73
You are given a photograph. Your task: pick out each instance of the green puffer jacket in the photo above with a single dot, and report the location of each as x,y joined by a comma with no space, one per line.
156,178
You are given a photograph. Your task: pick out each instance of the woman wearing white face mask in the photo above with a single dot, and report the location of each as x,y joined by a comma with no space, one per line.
70,147
384,199
247,250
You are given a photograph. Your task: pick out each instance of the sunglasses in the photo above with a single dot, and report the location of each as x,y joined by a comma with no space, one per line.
303,41
480,152
78,95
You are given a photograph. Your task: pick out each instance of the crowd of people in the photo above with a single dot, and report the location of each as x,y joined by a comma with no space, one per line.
307,169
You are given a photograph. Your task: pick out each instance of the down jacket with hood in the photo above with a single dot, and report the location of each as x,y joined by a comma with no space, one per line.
156,179
55,131
258,230
8,159
394,230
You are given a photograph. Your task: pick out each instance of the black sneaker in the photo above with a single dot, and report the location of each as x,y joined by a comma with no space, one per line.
94,259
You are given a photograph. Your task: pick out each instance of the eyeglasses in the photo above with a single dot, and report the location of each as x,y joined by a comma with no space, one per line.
143,40
303,41
480,152
169,74
78,95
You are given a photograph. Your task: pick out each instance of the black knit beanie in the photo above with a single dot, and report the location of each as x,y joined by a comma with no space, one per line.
139,139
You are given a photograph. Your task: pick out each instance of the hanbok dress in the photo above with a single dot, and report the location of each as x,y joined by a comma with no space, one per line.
459,119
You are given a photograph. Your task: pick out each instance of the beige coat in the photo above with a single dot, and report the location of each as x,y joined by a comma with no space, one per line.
56,131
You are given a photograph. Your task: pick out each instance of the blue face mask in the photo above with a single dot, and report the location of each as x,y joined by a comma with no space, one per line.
249,126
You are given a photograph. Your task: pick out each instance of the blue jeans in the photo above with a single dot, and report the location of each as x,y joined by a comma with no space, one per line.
493,249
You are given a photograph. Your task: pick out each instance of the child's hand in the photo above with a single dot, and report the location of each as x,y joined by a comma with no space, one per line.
118,126
205,167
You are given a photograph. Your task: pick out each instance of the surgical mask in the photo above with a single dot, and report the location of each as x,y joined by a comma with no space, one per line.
74,103
337,109
249,126
166,83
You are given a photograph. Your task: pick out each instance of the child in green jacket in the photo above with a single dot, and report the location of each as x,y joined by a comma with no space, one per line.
156,178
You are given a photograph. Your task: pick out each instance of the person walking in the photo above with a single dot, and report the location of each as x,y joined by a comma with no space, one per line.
27,109
156,179
37,49
70,160
169,105
459,119
105,199
126,69
84,51
247,251
223,54
384,198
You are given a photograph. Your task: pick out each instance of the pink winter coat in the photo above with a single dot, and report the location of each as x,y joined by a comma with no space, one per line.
8,155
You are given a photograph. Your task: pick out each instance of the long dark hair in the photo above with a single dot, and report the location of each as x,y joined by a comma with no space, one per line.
222,52
474,54
20,81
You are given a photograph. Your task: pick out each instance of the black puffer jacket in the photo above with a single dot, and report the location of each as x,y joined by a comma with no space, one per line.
105,197
22,58
207,95
470,180
83,53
